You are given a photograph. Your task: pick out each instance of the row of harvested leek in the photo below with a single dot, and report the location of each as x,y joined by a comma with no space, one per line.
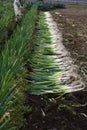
12,64
45,75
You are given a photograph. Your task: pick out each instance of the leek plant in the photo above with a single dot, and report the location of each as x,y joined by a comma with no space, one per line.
6,19
45,76
6,13
12,64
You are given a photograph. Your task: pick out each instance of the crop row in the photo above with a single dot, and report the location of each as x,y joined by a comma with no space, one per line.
6,20
12,63
42,69
45,75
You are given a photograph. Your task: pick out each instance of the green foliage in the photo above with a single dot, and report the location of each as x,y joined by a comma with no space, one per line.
15,55
19,109
12,63
46,73
6,19
46,5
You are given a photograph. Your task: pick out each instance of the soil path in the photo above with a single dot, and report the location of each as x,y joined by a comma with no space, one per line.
70,77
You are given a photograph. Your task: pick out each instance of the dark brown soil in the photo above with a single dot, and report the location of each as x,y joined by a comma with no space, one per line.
72,22
68,112
64,113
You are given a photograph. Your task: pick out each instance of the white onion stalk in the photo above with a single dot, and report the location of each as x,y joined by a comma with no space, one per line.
17,9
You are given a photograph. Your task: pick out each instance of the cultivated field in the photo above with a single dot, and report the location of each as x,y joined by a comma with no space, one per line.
32,94
72,22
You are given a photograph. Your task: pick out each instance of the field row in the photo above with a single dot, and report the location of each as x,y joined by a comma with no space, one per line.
26,62
7,20
12,64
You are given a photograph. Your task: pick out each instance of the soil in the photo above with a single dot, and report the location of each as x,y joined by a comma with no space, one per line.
59,113
72,22
69,111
